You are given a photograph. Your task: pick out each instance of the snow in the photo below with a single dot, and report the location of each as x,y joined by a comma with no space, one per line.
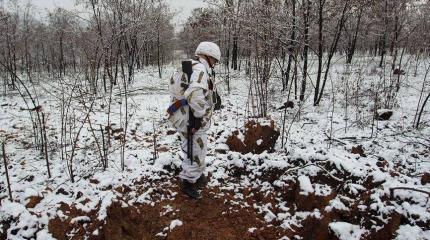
12,209
284,238
355,188
44,234
307,154
346,231
80,219
269,216
305,185
168,210
336,204
145,197
408,232
30,192
161,234
106,202
175,223
322,189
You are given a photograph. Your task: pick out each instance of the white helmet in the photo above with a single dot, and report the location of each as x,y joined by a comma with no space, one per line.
209,49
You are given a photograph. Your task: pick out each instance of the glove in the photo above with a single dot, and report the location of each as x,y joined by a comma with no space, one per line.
197,123
217,101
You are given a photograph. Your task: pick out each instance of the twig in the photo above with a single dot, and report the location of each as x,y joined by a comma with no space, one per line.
96,140
105,162
154,140
407,188
292,122
335,139
283,126
45,144
313,164
308,123
75,142
6,171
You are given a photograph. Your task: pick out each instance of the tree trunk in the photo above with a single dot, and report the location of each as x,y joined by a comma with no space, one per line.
292,44
320,50
384,37
351,48
305,49
394,42
333,49
422,110
158,53
234,52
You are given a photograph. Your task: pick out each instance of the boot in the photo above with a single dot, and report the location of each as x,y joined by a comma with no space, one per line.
202,182
190,190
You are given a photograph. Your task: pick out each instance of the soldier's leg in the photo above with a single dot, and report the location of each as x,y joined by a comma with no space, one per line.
200,150
191,171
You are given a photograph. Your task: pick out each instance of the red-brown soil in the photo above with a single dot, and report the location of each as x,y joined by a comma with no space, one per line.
212,217
253,133
218,215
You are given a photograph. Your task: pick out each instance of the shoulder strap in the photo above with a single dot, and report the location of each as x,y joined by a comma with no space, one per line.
187,68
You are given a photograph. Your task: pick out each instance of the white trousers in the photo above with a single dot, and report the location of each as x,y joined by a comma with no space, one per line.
192,170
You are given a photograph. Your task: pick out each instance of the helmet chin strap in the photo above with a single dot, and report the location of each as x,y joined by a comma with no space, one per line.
210,65
209,62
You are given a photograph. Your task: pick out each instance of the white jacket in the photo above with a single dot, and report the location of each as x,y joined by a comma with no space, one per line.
200,94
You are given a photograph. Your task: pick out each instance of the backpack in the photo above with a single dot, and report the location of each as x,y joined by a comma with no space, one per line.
178,109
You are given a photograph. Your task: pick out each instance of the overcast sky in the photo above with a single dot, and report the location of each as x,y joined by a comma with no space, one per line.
183,7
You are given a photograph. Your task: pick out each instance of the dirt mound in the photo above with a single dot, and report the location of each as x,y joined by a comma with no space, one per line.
398,71
33,201
317,228
388,231
208,218
425,179
131,222
256,138
230,214
384,114
358,150
212,217
61,228
5,226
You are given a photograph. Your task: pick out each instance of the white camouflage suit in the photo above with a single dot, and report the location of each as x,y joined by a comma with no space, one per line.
200,99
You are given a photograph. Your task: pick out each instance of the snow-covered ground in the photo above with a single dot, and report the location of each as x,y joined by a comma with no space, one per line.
314,176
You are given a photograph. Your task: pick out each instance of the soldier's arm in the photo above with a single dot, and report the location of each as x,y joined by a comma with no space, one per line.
196,93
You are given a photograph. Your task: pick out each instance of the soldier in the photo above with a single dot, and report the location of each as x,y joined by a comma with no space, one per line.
200,98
